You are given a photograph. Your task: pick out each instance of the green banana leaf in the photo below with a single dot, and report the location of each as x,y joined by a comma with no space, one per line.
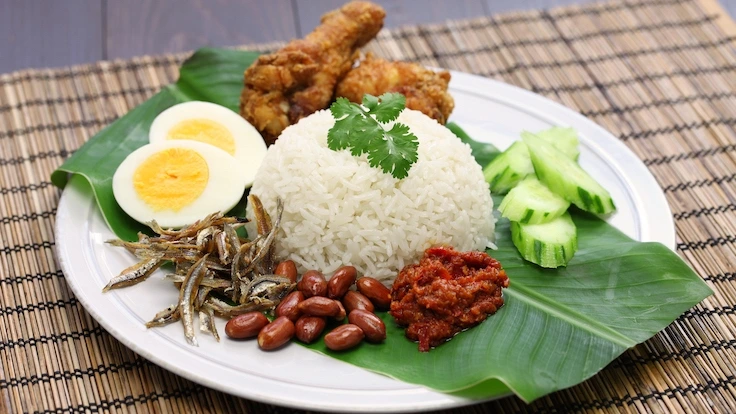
482,152
558,326
213,75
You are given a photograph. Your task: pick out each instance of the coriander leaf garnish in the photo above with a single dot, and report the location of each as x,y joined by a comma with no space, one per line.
389,108
347,115
397,153
371,102
362,131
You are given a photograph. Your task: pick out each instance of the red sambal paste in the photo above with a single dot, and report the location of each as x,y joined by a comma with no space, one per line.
447,292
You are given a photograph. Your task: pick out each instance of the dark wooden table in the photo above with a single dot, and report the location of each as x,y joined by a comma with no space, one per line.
49,33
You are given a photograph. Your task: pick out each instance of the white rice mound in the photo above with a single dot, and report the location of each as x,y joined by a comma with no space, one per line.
338,210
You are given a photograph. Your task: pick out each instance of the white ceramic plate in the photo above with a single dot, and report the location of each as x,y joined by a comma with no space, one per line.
295,376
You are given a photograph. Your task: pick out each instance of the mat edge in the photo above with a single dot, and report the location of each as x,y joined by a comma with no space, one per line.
723,19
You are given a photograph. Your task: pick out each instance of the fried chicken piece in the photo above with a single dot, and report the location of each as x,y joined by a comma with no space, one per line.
298,80
425,90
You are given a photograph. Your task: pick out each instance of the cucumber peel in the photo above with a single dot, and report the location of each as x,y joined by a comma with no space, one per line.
531,202
513,165
564,139
551,244
565,177
508,168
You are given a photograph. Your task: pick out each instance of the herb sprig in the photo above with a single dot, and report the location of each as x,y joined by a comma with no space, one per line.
362,131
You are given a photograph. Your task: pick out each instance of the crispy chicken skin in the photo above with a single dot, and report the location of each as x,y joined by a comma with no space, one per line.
425,90
287,85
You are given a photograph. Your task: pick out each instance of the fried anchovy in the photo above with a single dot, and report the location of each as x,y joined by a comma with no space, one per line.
232,238
187,293
214,219
263,260
201,296
263,220
263,252
204,237
267,265
214,264
234,279
210,282
222,250
207,322
165,317
187,231
235,269
209,256
182,268
160,230
223,308
134,274
204,321
167,250
263,242
272,287
172,255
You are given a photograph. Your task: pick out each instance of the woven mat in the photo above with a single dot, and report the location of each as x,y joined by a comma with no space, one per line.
660,75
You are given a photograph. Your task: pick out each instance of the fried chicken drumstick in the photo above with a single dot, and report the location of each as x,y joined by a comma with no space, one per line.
287,85
425,90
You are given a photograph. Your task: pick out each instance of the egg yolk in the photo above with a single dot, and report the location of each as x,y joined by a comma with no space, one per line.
204,130
171,179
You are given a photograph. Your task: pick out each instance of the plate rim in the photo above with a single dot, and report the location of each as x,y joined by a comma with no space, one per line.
587,129
460,81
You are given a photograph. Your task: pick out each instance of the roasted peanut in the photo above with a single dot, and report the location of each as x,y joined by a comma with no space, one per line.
288,306
319,306
344,337
313,283
276,333
246,325
341,281
341,314
372,326
375,291
308,328
356,300
287,269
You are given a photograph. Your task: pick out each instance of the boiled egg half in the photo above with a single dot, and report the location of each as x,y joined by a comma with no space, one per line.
177,182
214,125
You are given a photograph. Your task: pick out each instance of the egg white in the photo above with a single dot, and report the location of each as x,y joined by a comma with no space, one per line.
249,145
223,190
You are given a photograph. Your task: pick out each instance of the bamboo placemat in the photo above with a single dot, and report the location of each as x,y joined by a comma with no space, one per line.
660,75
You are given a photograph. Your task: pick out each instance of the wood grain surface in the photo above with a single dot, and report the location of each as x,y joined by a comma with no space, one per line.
136,27
658,74
46,33
398,13
37,33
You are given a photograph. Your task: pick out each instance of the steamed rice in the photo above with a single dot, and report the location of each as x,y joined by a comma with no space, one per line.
339,210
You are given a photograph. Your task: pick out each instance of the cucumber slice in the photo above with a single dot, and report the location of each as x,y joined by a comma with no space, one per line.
565,177
514,164
508,168
531,202
551,244
564,139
